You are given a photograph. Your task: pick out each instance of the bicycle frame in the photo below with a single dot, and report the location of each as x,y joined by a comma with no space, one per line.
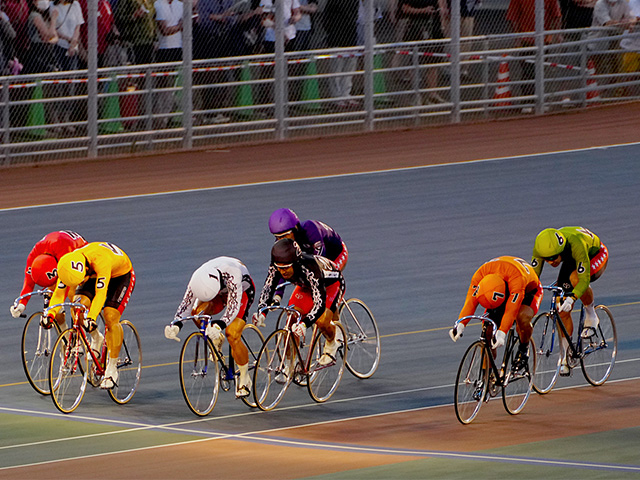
556,294
489,327
201,321
79,317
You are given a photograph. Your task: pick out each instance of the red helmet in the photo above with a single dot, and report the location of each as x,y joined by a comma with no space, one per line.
491,291
44,270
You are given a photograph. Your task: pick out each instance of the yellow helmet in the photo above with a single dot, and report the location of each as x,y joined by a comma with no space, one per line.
549,243
491,291
72,268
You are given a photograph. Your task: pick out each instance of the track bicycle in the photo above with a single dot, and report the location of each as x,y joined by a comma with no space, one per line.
363,338
596,354
479,378
284,359
73,363
204,369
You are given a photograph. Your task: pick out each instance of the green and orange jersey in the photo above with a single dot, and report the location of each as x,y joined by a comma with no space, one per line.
104,262
520,278
582,245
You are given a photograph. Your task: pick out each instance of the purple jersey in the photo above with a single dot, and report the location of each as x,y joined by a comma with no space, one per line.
317,238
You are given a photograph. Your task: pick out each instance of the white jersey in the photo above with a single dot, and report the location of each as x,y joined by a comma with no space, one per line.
234,277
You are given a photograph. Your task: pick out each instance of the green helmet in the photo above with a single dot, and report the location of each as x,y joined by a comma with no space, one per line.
549,243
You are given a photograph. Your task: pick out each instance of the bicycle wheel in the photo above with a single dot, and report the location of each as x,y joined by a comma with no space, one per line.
547,352
129,365
68,369
471,382
517,382
600,350
253,340
323,380
271,376
199,374
37,344
363,338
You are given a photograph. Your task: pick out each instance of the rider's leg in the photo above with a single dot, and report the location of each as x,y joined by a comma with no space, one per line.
240,355
96,336
113,336
523,324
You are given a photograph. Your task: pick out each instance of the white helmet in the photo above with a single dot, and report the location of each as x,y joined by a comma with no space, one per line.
205,284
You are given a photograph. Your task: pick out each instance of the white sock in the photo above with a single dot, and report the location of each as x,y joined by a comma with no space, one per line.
564,345
244,373
591,316
112,366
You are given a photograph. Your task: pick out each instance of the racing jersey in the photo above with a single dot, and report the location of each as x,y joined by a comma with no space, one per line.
317,238
55,244
104,262
581,246
312,272
234,279
520,278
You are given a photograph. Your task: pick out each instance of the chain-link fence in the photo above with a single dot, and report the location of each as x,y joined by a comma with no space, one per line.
85,79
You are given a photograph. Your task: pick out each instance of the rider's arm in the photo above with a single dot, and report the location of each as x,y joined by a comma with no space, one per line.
233,280
59,295
270,283
583,269
186,305
470,302
28,285
314,280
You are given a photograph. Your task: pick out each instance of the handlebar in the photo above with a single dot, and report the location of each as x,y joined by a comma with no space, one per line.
555,289
77,305
482,319
44,292
297,315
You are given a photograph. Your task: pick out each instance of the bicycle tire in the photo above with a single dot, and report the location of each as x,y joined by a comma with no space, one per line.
546,339
517,383
323,381
472,381
199,374
270,381
129,365
68,370
253,339
600,351
37,345
363,338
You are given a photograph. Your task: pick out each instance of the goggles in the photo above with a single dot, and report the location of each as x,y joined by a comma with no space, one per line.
283,266
282,234
551,259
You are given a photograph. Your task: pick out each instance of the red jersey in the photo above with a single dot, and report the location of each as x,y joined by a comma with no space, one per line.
55,244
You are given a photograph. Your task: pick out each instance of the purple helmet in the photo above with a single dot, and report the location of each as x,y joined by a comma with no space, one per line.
282,220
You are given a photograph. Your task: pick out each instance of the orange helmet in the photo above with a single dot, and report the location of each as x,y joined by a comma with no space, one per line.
44,270
491,291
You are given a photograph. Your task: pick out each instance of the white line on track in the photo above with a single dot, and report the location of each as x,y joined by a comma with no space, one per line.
257,436
372,172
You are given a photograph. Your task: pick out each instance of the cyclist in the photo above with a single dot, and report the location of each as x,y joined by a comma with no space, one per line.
313,237
509,289
219,283
103,277
319,289
583,258
42,263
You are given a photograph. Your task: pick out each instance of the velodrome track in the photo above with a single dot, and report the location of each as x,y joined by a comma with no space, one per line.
415,237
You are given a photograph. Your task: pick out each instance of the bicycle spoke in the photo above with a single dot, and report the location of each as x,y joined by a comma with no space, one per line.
324,379
199,374
600,350
471,383
274,370
68,371
518,380
546,339
363,338
129,365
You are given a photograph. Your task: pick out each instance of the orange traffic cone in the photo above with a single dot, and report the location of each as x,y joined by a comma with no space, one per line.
593,95
503,92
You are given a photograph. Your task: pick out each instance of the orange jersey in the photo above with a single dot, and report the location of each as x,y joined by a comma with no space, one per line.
520,279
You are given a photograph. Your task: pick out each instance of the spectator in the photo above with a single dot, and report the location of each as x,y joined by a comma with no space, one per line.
608,13
41,26
291,16
577,14
107,31
340,21
68,22
18,13
631,58
246,36
521,15
169,21
467,20
135,20
302,42
7,38
212,28
426,19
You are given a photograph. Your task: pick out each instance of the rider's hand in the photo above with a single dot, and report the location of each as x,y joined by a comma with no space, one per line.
276,300
90,324
499,339
258,319
171,332
299,330
16,311
567,305
46,322
456,332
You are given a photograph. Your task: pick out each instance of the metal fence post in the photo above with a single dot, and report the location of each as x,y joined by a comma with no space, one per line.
280,74
369,40
455,60
539,57
92,77
187,74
